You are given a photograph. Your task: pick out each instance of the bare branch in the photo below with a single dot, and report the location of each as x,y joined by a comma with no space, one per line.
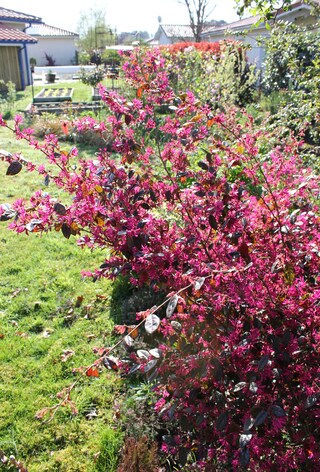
198,14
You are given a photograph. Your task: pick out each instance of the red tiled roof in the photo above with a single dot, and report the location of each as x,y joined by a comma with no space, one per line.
11,15
13,35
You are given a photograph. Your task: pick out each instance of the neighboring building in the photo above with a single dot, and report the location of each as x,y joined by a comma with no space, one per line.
57,43
243,30
14,60
171,34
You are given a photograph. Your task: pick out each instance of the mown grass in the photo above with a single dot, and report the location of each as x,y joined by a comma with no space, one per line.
46,308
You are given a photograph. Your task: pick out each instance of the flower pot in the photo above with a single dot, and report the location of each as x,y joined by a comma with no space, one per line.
50,77
96,93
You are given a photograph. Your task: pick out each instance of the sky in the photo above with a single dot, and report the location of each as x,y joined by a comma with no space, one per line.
122,15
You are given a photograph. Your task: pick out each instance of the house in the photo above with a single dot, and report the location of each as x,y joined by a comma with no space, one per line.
299,13
56,43
171,34
247,30
14,60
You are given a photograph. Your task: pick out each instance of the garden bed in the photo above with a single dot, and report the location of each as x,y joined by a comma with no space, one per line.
49,107
54,95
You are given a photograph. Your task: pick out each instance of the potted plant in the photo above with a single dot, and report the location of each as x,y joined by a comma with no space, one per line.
51,77
33,63
93,78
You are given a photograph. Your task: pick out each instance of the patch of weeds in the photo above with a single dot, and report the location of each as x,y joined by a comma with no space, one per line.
127,300
139,455
107,459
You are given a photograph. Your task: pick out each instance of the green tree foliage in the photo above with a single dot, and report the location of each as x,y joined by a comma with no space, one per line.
291,50
293,65
94,31
268,10
235,77
219,75
265,8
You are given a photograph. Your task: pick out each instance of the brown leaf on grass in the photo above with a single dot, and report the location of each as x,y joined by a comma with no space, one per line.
92,372
66,354
101,297
74,409
41,413
100,351
90,336
79,301
21,334
78,370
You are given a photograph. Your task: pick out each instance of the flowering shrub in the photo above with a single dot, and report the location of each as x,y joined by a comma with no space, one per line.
200,206
202,47
218,73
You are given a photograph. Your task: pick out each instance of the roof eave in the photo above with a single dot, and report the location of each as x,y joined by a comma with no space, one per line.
21,20
17,41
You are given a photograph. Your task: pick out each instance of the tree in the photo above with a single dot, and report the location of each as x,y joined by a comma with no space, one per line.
93,30
198,14
268,9
128,37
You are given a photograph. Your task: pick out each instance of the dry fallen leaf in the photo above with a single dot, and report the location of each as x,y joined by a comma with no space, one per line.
66,354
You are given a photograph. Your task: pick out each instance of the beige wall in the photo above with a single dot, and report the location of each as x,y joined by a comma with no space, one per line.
9,65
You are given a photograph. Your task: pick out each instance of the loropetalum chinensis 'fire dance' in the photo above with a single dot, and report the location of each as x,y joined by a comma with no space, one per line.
191,199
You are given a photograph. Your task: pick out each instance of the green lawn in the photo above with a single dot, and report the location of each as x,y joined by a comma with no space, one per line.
81,93
41,316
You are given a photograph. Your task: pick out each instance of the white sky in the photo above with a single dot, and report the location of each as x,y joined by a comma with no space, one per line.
124,15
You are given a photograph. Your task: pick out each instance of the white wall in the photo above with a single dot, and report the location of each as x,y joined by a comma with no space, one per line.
164,40
61,49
